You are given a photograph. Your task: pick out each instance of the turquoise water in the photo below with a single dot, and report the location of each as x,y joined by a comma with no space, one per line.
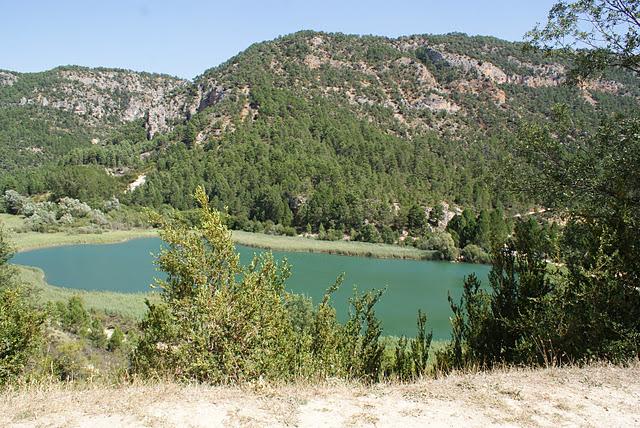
410,285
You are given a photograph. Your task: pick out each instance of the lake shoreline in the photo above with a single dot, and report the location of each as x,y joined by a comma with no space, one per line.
28,241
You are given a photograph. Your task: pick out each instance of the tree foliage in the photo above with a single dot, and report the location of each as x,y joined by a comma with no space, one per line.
597,34
219,321
20,323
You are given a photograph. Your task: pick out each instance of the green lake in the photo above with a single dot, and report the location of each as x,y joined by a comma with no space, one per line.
410,285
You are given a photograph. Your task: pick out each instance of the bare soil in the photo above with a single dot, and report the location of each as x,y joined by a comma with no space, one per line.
593,396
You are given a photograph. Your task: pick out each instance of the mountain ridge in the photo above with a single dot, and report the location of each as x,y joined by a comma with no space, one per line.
369,122
166,103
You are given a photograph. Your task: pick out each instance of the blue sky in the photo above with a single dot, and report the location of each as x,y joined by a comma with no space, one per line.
184,38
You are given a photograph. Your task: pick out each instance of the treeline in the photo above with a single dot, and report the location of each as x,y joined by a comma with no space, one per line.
306,162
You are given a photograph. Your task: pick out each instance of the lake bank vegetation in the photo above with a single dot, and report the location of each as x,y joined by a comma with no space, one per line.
217,321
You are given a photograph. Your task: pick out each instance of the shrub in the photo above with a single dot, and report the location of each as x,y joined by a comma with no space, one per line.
442,243
98,217
70,362
411,356
74,207
369,233
20,323
116,340
112,204
14,202
219,321
42,221
474,254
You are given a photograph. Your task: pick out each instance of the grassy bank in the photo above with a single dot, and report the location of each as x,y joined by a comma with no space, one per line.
347,248
127,304
34,240
26,241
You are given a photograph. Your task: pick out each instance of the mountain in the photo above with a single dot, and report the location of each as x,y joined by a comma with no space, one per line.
309,128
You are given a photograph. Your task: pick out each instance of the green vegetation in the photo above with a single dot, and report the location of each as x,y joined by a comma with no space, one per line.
20,322
280,131
348,248
596,35
372,146
219,321
128,305
588,310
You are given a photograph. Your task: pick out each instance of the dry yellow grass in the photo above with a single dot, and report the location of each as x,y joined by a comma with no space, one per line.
591,396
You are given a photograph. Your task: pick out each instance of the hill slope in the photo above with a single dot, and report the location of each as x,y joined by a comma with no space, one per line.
311,128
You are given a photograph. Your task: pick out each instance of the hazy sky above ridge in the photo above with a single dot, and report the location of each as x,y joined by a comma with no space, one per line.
184,38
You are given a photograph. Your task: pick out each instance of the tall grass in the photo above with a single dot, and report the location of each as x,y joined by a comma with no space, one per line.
347,248
33,240
130,305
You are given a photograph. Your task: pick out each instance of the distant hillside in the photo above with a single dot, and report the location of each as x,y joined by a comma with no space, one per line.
309,128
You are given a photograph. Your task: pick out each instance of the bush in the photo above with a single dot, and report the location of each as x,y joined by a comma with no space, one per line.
474,254
42,221
369,233
411,356
442,243
20,331
70,362
14,202
98,217
73,207
211,324
116,340
221,322
20,323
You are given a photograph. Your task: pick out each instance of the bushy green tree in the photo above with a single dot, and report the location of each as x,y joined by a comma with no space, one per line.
443,245
217,321
116,340
412,355
517,321
595,34
20,323
416,219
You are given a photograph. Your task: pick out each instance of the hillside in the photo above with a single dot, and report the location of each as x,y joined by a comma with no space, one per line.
590,396
308,129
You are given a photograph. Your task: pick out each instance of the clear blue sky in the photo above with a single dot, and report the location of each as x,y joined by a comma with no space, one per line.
184,38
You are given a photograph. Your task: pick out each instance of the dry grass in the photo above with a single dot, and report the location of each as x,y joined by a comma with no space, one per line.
590,396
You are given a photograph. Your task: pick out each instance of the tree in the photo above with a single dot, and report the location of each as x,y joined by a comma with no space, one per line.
20,323
369,233
596,34
442,244
416,219
190,134
517,321
436,215
591,179
217,321
116,340
482,236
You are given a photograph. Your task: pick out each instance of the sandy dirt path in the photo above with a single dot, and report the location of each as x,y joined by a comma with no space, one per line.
594,396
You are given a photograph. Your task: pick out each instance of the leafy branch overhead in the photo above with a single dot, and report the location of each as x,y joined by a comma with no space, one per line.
596,33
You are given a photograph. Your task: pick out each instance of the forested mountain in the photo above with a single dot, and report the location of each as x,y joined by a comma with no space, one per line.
309,129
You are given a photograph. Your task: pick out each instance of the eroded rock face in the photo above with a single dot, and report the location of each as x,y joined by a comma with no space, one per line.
401,81
114,96
7,78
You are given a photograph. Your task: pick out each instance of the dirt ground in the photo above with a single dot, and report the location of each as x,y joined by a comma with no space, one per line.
593,396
